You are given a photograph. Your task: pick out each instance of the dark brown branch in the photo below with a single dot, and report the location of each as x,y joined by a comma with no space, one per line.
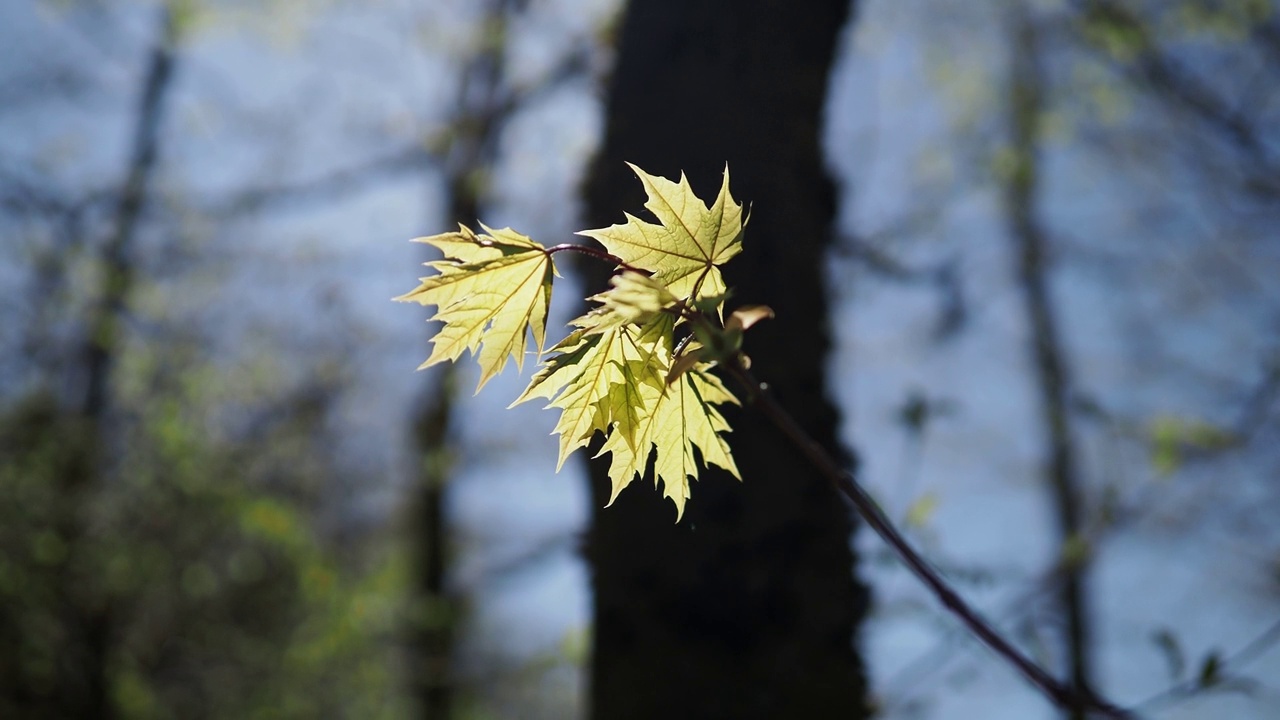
1060,694
1253,413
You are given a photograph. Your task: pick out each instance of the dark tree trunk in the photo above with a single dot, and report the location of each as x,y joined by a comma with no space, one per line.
749,607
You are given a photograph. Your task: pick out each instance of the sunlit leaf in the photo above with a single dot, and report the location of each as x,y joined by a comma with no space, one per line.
683,252
680,418
634,298
596,381
616,373
490,290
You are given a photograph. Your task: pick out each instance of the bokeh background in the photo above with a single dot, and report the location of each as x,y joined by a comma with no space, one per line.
225,493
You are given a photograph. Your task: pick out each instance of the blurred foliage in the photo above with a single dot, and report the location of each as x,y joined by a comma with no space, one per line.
219,593
1173,438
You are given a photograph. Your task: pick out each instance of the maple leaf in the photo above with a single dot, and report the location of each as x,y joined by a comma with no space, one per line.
490,291
633,299
597,379
617,372
679,418
684,251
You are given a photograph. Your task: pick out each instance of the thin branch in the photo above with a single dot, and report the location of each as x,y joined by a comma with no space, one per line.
410,159
481,126
1060,694
1254,648
1170,81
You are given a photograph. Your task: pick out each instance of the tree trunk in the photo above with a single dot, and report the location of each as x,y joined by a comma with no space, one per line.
1049,356
481,112
748,607
83,680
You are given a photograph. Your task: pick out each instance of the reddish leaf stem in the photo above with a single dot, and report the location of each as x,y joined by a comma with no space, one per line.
597,254
1059,693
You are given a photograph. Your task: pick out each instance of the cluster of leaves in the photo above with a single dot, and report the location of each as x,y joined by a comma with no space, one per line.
634,368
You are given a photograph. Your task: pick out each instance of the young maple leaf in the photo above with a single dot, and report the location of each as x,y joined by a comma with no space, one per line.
679,418
489,291
684,251
616,373
632,299
596,379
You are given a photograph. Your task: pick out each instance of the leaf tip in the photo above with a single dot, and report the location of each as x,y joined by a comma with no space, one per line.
679,510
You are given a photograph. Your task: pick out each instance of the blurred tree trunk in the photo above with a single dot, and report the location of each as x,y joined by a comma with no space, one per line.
1049,357
436,607
749,607
83,679
481,111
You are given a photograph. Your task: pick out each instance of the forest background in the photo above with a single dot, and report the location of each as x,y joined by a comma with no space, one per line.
225,493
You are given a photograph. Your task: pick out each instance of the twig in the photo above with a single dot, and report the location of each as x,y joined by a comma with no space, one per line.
1243,656
1060,694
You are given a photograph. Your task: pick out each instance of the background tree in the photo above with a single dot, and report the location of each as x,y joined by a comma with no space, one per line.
159,558
1053,374
244,547
218,537
1096,137
748,607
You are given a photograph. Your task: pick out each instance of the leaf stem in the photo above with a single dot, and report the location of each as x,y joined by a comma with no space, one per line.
1057,692
597,254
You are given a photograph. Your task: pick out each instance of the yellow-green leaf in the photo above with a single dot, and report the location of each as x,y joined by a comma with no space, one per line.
597,381
633,299
616,372
490,290
679,418
921,511
683,252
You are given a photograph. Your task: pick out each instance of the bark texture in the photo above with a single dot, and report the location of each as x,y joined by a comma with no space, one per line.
748,608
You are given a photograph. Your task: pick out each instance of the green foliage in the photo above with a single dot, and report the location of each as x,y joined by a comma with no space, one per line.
635,368
1174,439
198,552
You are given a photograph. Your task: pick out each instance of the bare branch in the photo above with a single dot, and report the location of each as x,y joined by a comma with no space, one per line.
1222,672
1060,694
